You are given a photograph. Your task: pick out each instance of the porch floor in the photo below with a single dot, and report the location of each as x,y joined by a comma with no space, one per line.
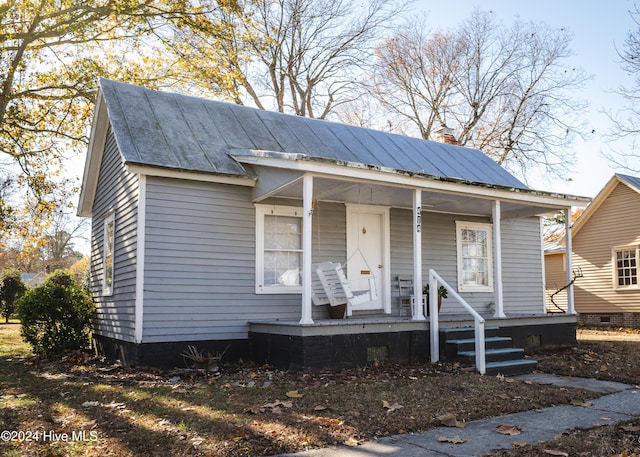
385,323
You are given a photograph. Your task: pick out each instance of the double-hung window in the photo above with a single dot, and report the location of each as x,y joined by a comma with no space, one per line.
278,249
109,230
475,257
625,267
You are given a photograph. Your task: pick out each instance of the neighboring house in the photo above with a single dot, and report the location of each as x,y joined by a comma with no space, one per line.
33,280
605,247
207,217
555,268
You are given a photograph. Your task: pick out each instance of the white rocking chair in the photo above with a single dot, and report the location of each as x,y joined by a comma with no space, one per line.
333,282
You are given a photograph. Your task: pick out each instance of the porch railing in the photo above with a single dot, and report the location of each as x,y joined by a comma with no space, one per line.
434,282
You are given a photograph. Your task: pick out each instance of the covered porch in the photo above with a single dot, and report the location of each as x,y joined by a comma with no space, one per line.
418,223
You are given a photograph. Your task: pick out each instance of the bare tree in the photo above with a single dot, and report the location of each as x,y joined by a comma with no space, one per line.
297,56
626,122
503,90
415,76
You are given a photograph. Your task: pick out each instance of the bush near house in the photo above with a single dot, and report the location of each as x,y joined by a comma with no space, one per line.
11,289
56,317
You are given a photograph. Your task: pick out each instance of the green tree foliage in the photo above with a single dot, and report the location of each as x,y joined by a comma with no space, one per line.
11,289
51,53
56,317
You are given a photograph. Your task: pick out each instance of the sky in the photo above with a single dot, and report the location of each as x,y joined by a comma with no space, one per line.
600,29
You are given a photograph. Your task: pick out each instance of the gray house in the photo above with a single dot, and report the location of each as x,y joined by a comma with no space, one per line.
208,217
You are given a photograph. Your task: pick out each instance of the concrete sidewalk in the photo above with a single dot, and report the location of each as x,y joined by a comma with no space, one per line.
620,402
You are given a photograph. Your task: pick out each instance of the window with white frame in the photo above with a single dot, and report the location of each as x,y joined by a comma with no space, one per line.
625,267
475,257
109,230
278,249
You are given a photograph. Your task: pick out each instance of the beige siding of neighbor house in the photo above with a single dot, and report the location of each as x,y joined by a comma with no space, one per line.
556,278
616,223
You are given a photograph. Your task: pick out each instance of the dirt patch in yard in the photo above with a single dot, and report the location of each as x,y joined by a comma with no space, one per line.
106,409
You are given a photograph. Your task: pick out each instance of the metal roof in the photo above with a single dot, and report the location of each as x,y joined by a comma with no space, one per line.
170,130
630,180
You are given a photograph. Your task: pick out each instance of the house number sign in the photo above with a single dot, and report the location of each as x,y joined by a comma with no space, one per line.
418,219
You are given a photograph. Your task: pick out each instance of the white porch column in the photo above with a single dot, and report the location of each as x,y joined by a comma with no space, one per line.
497,249
307,218
418,310
569,263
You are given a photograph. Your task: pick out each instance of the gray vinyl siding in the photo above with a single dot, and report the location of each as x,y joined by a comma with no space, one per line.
615,223
522,270
116,192
200,261
521,254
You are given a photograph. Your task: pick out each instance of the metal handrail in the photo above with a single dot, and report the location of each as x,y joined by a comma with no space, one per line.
434,280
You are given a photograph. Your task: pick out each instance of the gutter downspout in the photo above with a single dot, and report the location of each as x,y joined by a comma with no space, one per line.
569,264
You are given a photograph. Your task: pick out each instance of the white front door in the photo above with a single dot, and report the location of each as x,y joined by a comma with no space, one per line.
368,253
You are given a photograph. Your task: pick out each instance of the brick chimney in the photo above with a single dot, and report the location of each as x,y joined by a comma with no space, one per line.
445,135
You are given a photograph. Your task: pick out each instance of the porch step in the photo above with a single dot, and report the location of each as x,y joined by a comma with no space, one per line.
491,342
510,367
493,355
500,355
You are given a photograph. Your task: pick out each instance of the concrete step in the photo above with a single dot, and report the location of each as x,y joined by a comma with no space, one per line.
510,367
493,355
468,344
458,333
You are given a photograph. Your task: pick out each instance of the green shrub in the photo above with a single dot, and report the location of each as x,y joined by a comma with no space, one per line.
56,317
11,289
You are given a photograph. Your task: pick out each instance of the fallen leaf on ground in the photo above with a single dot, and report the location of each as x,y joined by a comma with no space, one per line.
454,440
390,408
509,430
240,437
352,442
449,420
623,454
555,452
319,408
516,444
294,394
329,421
276,404
630,428
576,402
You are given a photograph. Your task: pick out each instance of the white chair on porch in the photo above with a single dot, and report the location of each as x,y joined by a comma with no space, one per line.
336,289
405,294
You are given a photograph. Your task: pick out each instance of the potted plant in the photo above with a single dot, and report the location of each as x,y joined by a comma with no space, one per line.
442,293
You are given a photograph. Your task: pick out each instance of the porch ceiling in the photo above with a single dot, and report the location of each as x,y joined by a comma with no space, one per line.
343,191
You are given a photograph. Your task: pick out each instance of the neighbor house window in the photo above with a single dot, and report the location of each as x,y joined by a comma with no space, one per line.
625,263
475,265
109,247
278,249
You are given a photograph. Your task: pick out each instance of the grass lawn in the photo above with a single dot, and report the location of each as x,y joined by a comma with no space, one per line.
83,406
